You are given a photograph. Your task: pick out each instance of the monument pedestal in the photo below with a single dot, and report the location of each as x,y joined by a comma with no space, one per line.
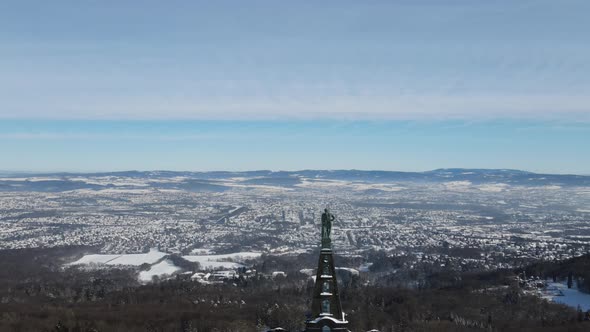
326,308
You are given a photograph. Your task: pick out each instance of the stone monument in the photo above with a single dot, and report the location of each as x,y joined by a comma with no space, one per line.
326,309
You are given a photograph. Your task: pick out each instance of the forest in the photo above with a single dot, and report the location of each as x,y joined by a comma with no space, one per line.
38,294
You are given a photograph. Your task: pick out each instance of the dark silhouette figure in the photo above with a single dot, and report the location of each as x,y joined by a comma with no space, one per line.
327,219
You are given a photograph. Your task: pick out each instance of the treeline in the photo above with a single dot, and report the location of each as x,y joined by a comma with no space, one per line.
577,268
52,299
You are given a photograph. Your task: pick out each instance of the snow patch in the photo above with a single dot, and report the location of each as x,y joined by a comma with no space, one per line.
457,185
128,259
162,269
213,262
559,293
137,259
493,188
94,259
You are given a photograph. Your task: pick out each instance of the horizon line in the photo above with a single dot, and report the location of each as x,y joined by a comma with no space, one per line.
41,173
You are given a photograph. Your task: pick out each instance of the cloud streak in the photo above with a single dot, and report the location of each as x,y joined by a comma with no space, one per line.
107,137
402,107
292,60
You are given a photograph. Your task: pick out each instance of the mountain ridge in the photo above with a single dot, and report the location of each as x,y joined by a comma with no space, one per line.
131,173
219,180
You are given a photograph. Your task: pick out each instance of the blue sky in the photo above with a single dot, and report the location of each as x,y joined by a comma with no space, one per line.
204,85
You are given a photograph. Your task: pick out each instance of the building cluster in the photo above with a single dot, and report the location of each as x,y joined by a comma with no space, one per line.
486,227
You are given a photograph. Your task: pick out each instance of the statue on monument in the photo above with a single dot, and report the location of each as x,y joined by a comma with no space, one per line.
327,219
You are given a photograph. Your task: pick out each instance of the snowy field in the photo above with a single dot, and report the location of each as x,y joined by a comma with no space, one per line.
212,265
559,293
127,259
234,256
95,259
207,262
214,262
162,269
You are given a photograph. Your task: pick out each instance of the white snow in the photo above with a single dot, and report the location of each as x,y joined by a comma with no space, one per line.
162,269
288,251
32,179
224,274
279,273
201,251
127,191
305,183
457,185
129,259
237,255
365,267
493,187
308,272
321,184
382,187
213,262
528,206
559,293
234,210
255,186
137,259
351,271
242,255
208,265
94,259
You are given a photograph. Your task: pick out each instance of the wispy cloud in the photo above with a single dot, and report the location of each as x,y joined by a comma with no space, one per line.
465,60
107,137
401,107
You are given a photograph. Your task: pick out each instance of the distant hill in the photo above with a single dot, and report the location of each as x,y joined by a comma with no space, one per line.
218,180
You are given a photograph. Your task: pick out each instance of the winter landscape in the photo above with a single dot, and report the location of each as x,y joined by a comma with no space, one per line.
299,166
392,228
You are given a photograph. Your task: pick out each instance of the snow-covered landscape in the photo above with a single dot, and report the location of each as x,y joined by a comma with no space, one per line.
501,217
558,292
225,261
151,257
162,269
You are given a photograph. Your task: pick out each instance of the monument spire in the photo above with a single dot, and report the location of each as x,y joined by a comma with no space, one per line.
326,309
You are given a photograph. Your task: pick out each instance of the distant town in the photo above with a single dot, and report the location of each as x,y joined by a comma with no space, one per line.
161,244
469,218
